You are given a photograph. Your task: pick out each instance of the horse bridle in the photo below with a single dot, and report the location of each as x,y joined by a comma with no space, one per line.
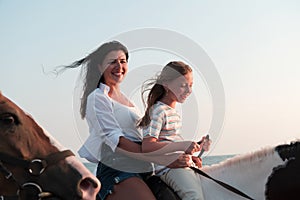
35,168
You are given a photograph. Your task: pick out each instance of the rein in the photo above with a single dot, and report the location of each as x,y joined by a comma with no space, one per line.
225,185
35,167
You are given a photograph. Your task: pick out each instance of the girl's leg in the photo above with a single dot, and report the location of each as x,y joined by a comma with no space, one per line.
131,188
185,183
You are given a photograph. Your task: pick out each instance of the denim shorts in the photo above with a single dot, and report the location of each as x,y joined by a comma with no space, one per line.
109,177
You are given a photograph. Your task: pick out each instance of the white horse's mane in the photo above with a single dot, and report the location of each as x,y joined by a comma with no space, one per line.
242,160
247,159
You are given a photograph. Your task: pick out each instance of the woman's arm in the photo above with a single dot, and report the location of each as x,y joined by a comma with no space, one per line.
128,145
152,146
134,150
101,119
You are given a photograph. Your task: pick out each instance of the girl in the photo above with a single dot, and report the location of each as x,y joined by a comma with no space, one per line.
161,127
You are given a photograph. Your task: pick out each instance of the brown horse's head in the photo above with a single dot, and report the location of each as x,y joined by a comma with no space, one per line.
31,161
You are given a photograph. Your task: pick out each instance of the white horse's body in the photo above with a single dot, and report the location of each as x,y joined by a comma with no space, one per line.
248,173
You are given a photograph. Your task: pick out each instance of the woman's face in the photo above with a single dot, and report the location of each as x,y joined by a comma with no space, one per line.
181,87
114,66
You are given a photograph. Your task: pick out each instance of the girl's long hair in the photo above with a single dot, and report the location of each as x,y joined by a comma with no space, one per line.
156,87
90,69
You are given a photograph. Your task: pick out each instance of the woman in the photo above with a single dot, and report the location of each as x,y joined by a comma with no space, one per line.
114,140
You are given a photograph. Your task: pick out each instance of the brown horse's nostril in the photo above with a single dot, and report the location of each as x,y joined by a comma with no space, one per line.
87,182
88,188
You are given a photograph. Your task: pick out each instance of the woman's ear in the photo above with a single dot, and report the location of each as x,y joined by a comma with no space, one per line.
100,68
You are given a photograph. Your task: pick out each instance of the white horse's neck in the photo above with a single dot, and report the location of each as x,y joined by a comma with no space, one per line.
248,173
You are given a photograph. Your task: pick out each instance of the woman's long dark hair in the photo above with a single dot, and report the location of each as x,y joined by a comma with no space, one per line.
90,69
170,72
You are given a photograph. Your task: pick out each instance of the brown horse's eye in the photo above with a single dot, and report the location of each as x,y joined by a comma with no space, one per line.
7,119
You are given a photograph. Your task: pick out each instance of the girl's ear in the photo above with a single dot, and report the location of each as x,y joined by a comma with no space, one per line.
165,85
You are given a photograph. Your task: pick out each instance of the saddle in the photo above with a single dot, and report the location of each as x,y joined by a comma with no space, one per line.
160,189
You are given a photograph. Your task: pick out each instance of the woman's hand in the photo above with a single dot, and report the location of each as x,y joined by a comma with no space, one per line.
193,147
184,160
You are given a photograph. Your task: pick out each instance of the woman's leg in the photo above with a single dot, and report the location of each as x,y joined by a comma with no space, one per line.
131,188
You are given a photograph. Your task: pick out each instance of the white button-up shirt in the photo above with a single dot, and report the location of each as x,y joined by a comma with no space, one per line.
108,120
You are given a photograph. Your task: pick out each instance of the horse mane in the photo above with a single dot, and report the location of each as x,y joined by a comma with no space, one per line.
246,159
242,159
53,141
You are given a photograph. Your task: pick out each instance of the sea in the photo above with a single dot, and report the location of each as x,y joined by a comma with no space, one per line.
206,160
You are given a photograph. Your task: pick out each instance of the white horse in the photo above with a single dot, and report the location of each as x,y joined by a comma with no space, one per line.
248,173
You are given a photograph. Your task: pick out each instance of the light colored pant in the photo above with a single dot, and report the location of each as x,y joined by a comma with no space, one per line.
185,182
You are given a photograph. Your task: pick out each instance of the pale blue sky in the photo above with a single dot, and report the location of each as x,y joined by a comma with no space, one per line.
254,45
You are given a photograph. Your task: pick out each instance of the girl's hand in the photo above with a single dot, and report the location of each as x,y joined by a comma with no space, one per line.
197,161
182,161
205,143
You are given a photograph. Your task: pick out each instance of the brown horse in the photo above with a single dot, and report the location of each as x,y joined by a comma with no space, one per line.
33,165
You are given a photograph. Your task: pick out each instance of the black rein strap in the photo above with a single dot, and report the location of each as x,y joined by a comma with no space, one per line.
228,187
49,160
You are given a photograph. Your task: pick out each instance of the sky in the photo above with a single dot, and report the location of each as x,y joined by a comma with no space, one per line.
253,46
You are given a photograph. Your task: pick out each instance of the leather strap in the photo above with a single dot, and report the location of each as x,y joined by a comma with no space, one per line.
225,185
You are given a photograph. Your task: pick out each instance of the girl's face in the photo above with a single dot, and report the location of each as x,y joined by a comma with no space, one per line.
180,88
114,66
